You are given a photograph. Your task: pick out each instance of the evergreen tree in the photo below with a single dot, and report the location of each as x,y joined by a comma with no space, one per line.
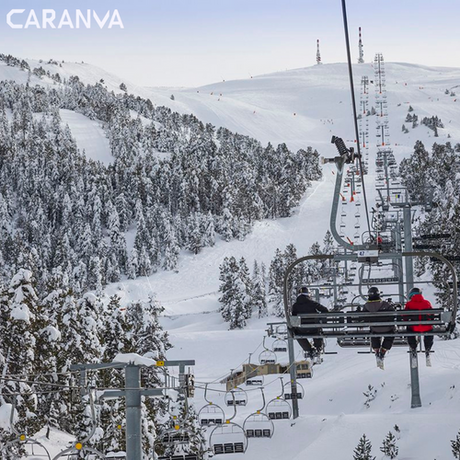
389,447
259,293
456,446
233,300
275,283
363,450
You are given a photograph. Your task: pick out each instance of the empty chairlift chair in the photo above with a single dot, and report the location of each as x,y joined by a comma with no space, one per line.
211,414
278,408
287,394
258,424
177,443
280,346
228,438
267,356
236,397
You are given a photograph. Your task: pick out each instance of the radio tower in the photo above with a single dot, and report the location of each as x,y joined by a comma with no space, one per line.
361,51
318,54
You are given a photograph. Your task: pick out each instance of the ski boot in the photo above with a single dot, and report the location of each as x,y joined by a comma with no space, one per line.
428,358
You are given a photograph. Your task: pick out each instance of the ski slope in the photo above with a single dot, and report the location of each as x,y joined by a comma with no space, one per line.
302,107
305,107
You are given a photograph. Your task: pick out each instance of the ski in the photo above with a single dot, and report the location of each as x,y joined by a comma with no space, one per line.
413,359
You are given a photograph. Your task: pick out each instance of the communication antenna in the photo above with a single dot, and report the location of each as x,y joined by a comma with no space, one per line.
318,54
361,50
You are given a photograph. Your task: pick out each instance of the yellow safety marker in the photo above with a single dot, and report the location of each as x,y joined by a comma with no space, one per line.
79,446
22,437
258,411
119,427
160,363
176,427
227,421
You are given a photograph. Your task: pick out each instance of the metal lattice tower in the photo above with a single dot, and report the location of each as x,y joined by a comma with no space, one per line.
361,50
383,132
363,119
318,54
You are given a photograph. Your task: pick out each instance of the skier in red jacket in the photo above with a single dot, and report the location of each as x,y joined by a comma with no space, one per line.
418,302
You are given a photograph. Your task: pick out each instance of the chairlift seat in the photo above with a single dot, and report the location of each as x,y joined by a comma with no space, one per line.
357,324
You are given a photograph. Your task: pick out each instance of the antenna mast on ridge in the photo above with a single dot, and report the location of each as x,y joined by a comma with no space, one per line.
361,50
318,54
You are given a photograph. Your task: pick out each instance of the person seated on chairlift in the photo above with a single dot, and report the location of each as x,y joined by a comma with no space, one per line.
418,302
304,304
380,345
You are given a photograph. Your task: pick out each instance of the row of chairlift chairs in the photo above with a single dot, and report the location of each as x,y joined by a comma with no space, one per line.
176,442
229,437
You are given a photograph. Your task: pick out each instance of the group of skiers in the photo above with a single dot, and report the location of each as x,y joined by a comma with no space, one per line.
304,304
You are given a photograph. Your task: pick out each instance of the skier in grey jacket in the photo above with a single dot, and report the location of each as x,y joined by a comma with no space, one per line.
380,345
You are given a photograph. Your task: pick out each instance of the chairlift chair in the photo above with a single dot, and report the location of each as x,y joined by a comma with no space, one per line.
257,380
236,397
288,392
358,324
177,442
267,356
228,438
210,414
32,449
280,346
278,408
258,424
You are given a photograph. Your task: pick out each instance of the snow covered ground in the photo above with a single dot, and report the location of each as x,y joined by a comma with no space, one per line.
305,107
301,107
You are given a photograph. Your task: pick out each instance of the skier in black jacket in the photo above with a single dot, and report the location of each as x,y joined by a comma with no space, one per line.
305,305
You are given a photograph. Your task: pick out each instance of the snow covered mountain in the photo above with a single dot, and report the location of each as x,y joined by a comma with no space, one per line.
302,107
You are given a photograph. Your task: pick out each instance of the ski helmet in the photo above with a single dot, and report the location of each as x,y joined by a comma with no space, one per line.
373,293
304,290
414,291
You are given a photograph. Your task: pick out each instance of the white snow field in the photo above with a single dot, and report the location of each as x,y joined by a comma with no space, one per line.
305,107
301,107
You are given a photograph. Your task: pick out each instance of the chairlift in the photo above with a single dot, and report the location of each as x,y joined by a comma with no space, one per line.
32,448
278,408
257,380
228,438
177,442
267,356
210,414
258,424
236,397
280,346
288,391
80,449
357,324
304,369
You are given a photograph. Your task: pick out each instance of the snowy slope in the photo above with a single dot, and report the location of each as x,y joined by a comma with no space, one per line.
320,98
292,106
333,413
304,107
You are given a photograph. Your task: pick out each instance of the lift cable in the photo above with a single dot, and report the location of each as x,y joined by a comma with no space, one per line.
355,115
